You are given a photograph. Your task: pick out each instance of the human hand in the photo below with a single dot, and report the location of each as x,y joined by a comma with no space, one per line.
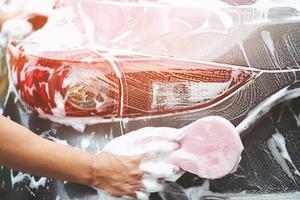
117,175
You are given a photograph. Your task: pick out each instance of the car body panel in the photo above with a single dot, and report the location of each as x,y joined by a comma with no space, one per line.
270,161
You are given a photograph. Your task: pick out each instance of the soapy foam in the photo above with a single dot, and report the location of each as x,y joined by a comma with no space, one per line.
193,193
78,123
26,7
266,105
22,10
47,135
149,135
164,155
296,117
89,28
86,141
279,151
20,177
9,27
258,3
266,36
154,142
35,184
59,110
281,144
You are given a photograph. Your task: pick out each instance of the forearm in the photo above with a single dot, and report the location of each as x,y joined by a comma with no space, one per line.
22,150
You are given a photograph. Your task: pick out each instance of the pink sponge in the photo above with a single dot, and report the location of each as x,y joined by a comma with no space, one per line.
210,148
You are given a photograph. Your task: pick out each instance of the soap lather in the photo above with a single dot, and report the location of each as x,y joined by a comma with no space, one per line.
209,147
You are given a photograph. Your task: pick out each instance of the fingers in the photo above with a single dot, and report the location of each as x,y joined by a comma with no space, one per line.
126,190
137,174
135,180
135,184
137,159
134,191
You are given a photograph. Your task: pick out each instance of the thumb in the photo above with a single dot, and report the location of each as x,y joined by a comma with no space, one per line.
138,158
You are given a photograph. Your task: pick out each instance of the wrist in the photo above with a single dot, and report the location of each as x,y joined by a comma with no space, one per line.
99,170
85,173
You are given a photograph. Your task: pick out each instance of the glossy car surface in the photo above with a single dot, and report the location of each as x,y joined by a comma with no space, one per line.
270,161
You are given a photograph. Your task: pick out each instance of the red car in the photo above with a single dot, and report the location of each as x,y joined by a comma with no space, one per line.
120,75
110,67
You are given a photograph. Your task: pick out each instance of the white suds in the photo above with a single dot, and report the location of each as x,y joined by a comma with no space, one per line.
36,184
46,135
278,149
72,37
18,178
9,27
296,117
266,105
78,123
59,110
86,141
193,193
168,149
266,36
33,184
